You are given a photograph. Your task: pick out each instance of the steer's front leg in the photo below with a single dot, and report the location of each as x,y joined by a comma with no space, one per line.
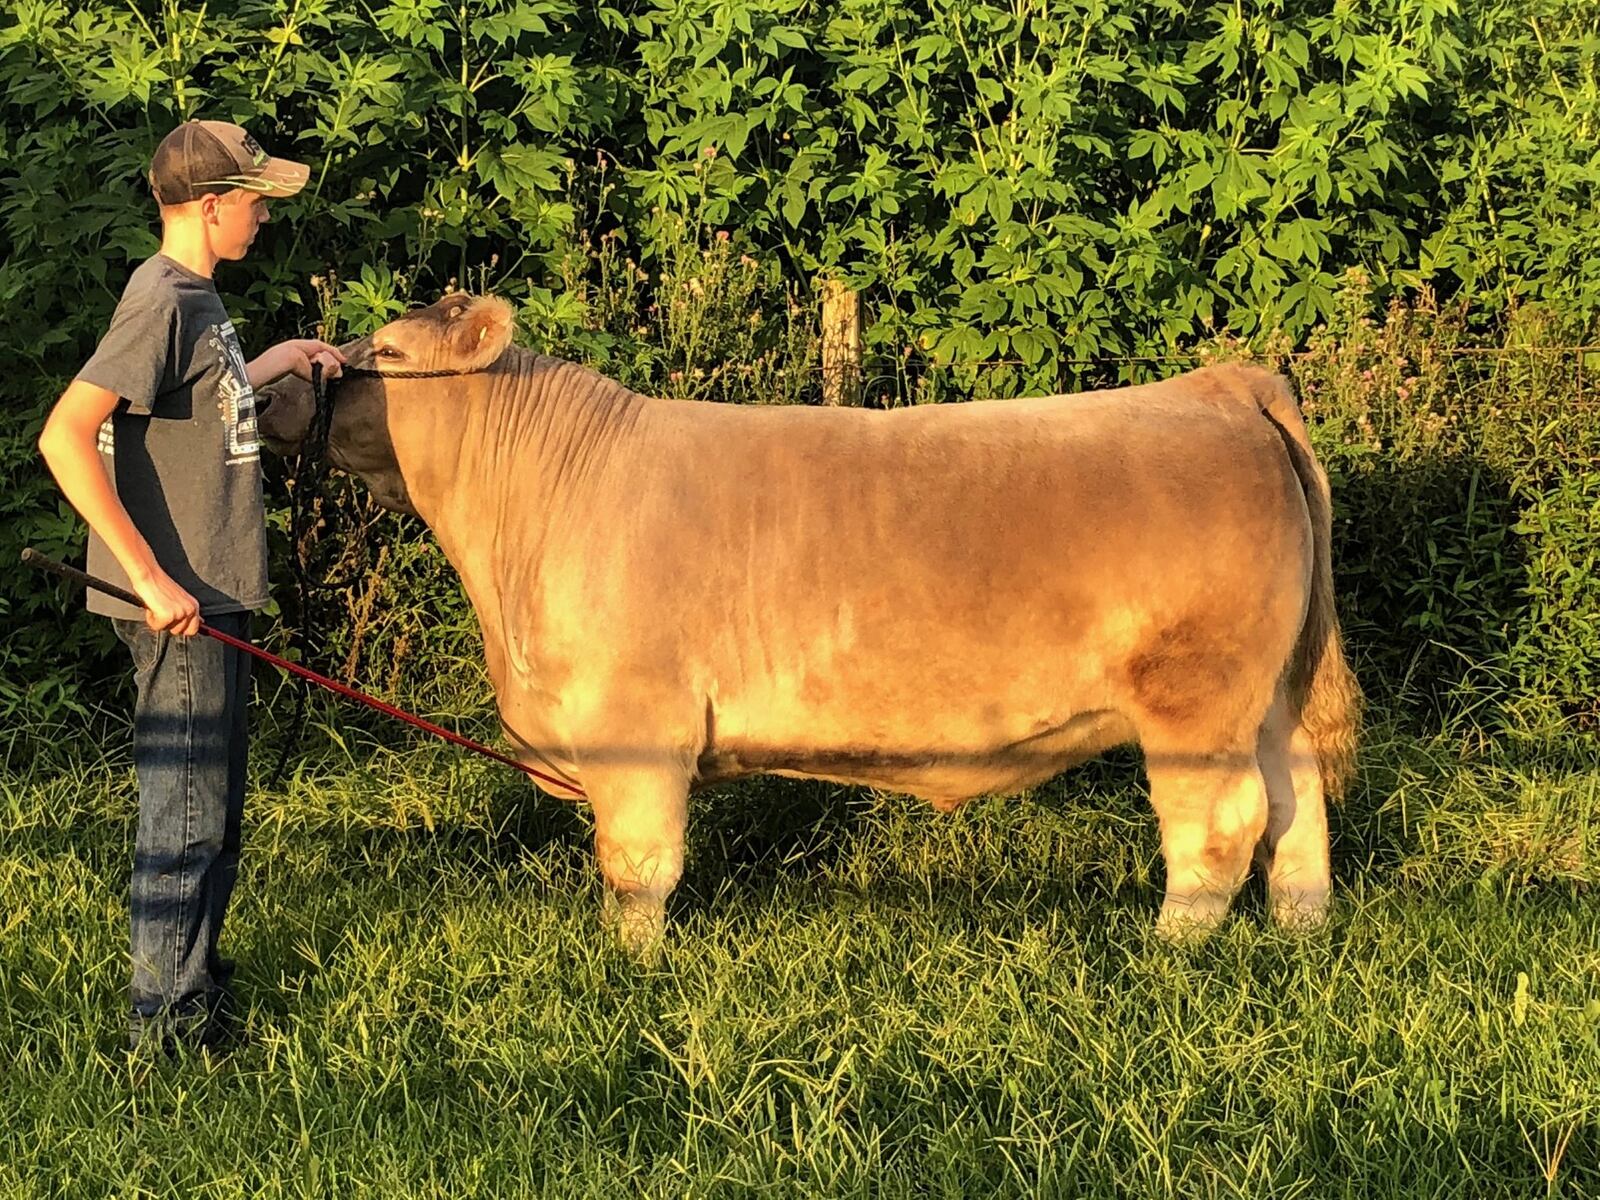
640,815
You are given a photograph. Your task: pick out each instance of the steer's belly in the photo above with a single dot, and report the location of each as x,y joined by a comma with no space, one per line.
944,773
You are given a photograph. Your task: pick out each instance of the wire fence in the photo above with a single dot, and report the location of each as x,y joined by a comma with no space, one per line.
884,381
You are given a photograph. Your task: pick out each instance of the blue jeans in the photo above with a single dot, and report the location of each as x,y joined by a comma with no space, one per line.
190,737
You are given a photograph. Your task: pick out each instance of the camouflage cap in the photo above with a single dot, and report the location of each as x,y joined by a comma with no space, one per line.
214,156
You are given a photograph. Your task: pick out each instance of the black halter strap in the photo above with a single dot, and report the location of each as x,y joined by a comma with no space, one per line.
349,370
322,416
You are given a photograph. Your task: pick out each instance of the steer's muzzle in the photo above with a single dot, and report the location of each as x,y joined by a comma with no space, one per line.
283,414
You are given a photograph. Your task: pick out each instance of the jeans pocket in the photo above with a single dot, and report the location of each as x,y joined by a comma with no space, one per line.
143,643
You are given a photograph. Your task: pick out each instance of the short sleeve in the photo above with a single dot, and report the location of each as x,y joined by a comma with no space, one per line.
135,357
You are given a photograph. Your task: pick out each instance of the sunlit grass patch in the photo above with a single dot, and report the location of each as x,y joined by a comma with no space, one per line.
858,996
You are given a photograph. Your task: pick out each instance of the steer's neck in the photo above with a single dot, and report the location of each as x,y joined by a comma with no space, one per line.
501,461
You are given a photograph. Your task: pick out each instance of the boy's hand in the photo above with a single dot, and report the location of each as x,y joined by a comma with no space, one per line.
168,606
302,352
295,357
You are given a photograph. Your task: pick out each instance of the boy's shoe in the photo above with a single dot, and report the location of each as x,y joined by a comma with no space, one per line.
196,1025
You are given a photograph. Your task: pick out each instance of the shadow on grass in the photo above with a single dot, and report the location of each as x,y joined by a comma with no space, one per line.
1431,576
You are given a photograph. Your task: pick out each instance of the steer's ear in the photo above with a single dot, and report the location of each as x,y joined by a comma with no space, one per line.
479,331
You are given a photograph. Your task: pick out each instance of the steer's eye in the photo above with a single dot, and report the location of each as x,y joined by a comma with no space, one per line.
387,352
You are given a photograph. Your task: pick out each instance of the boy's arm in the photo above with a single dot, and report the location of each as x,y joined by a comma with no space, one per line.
68,447
294,357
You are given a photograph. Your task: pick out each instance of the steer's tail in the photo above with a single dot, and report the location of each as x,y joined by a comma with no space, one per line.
1322,688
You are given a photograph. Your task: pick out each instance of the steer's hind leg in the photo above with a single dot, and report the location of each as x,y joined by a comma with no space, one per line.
640,816
1212,807
1295,845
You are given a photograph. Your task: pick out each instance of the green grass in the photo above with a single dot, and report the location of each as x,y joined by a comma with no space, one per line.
858,996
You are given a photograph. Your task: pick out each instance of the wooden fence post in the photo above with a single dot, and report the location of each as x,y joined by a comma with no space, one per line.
841,344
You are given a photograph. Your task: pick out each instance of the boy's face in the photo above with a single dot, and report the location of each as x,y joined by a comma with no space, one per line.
228,220
238,214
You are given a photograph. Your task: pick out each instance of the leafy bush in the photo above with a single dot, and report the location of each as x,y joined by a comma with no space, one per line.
1463,482
1039,190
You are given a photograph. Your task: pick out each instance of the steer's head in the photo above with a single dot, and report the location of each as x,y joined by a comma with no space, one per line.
460,334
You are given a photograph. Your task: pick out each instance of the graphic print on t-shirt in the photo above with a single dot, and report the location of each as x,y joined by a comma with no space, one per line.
237,398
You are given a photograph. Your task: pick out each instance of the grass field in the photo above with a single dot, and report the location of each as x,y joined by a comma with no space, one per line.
858,996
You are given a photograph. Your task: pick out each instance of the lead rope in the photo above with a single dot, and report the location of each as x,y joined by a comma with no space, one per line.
309,475
33,558
309,492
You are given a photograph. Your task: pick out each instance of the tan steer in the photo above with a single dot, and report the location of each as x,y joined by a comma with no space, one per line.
947,600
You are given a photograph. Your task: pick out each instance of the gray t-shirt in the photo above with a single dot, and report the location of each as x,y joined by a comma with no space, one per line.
181,448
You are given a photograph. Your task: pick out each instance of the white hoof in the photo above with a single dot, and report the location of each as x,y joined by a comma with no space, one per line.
639,924
1299,910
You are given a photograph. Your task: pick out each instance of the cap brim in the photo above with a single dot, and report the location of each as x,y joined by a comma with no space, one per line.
280,177
277,177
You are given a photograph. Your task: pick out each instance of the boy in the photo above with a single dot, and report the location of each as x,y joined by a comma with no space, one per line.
154,443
